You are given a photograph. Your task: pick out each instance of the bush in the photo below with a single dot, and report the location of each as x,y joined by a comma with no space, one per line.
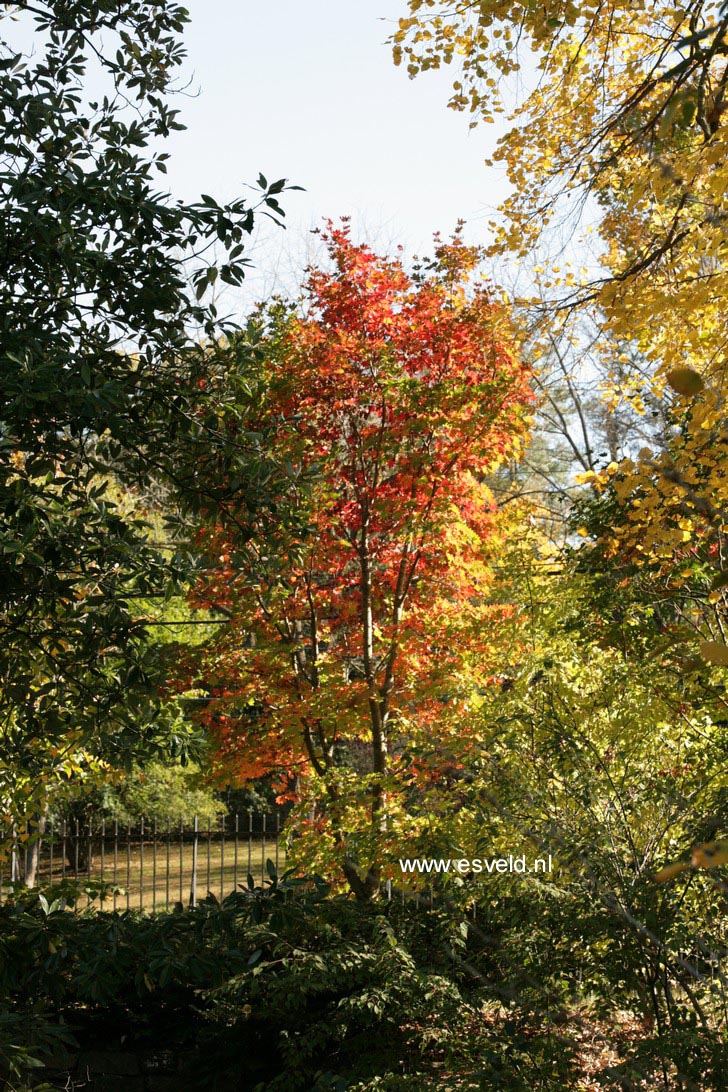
288,988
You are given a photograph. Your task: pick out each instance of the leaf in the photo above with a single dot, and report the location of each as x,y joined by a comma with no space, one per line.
670,871
685,381
710,855
715,652
707,855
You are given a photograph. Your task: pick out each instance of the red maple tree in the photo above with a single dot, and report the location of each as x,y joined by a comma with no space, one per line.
390,399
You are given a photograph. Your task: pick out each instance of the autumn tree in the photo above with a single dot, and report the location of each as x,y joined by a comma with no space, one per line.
623,103
620,131
391,395
659,519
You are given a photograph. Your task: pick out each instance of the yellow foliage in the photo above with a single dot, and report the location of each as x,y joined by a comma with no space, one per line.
624,102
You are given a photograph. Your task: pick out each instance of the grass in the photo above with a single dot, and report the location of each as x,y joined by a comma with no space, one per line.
157,875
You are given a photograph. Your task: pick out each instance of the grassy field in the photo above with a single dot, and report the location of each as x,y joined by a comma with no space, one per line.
155,876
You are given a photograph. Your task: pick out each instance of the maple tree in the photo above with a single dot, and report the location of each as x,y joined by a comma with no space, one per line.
391,397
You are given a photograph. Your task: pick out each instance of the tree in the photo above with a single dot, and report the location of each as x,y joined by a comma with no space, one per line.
626,104
161,793
659,519
101,335
623,126
595,407
392,396
603,755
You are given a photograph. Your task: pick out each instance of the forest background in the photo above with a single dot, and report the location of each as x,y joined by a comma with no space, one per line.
454,540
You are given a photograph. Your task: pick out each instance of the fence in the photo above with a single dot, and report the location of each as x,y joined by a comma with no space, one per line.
148,866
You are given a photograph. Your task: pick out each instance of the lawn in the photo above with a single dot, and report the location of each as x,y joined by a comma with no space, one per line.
155,874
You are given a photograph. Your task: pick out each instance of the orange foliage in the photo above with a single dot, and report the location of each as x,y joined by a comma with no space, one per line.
391,399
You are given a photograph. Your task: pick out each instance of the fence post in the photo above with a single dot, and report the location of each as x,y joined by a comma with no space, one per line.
89,862
116,860
193,884
235,865
181,860
222,859
51,839
169,850
209,837
103,859
14,865
64,850
250,843
141,864
154,867
128,863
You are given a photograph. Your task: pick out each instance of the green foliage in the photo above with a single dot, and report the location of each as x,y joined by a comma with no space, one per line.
602,754
166,793
281,988
101,347
158,792
286,987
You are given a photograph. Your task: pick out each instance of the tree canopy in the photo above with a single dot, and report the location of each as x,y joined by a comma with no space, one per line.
102,321
457,565
394,396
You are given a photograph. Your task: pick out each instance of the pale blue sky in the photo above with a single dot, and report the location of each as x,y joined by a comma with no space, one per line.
309,91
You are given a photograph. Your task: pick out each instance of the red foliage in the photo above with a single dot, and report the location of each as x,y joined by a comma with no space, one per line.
401,394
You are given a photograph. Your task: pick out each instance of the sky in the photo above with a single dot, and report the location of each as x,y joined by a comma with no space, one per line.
309,92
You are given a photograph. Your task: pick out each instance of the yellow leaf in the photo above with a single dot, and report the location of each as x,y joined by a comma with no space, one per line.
708,855
685,381
670,870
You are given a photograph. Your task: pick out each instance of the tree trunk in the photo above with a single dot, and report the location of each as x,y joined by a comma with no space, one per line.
33,854
366,888
25,861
